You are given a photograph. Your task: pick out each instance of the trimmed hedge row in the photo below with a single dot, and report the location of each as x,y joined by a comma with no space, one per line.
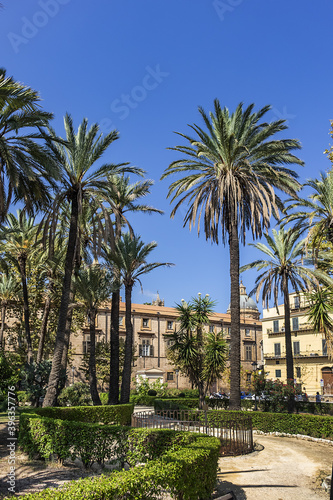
183,463
309,425
188,473
176,404
117,414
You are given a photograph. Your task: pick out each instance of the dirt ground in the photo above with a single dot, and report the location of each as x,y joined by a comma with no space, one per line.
283,469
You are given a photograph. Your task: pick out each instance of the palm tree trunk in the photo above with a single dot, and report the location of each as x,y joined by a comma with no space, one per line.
43,328
127,370
113,398
92,359
114,356
22,264
235,401
2,331
287,334
200,383
52,389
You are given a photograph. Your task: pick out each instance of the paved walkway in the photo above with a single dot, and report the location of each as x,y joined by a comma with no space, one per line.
285,469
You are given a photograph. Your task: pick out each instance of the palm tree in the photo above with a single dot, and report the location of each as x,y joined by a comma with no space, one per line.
76,159
130,258
282,271
314,214
123,197
94,286
19,244
230,173
319,314
27,170
9,289
200,355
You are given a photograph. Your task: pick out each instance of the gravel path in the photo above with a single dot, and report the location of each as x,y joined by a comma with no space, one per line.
285,469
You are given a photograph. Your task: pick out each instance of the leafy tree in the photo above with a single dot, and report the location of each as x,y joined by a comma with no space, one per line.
9,291
19,245
34,379
281,272
199,355
76,158
27,170
94,286
230,173
319,314
130,258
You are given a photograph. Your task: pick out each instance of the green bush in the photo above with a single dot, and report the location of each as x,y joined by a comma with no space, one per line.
109,414
188,473
136,399
152,392
77,394
309,425
175,404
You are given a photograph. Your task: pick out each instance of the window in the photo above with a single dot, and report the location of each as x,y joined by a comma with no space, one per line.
145,323
324,344
295,324
169,325
145,349
296,302
121,318
275,326
247,332
229,330
170,342
211,328
298,372
248,378
296,348
86,346
278,373
248,352
277,349
169,375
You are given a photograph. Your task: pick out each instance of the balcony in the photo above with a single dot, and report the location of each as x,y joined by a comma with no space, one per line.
303,354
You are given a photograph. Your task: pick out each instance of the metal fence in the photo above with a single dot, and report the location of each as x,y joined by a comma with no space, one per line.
234,431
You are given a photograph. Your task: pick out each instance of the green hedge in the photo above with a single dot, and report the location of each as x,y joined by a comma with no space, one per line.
175,404
183,463
309,425
117,414
145,400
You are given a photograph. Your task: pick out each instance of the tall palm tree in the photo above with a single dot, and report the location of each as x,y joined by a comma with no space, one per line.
230,173
123,198
27,170
130,258
200,355
314,214
94,286
19,244
9,290
80,179
282,272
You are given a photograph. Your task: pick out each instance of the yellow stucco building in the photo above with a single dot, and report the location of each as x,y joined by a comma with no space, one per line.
312,367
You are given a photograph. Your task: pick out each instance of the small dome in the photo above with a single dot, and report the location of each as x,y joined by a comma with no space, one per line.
246,303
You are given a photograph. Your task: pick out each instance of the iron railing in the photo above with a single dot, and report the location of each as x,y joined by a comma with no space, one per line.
234,431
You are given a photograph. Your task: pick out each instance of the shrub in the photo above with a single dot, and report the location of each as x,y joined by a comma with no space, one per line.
152,392
188,472
175,404
136,399
143,386
77,394
23,397
34,379
109,414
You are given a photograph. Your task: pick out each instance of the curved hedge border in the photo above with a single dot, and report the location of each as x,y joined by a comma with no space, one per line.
183,463
318,426
117,414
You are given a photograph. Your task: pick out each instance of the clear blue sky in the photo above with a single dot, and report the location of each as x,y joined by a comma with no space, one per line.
145,67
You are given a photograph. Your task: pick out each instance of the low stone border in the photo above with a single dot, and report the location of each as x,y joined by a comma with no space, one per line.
297,436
